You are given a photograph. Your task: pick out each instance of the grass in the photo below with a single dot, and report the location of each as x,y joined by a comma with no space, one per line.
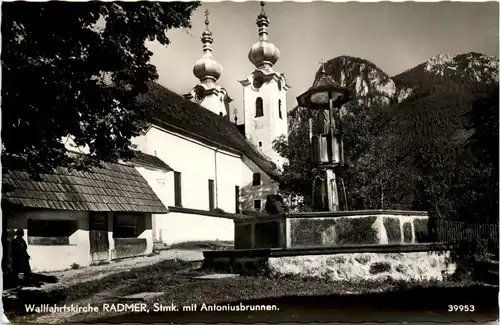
306,297
175,279
133,281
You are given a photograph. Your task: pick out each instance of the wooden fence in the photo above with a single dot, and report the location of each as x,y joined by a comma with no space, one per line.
455,231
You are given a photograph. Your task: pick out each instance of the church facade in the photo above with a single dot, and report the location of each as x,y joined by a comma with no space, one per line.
194,173
219,169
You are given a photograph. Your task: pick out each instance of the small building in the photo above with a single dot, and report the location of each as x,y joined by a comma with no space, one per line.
72,217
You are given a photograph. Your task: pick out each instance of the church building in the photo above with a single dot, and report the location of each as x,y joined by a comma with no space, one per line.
194,173
220,169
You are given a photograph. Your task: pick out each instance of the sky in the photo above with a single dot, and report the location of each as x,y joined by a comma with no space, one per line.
394,36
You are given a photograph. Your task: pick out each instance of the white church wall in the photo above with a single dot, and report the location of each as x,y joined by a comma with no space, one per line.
194,160
262,131
215,103
161,183
250,193
179,227
228,177
198,162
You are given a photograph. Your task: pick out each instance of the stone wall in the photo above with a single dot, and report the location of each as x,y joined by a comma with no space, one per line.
407,266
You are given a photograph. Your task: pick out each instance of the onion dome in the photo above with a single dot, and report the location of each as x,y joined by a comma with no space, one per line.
263,54
206,68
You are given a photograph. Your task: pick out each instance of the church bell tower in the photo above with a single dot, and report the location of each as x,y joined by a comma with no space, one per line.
207,92
264,95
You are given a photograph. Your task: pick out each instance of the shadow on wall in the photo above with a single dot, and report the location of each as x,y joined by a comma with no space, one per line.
253,198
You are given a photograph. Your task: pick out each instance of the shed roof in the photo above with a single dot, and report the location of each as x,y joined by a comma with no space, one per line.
114,187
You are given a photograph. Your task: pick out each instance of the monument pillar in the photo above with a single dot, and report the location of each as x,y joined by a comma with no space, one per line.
323,100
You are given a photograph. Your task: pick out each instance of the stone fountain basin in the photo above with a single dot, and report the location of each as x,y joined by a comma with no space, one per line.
344,245
312,229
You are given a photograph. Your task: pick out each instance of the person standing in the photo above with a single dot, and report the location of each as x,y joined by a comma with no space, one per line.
19,255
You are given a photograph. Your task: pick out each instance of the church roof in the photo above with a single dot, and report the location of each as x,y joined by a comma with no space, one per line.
172,111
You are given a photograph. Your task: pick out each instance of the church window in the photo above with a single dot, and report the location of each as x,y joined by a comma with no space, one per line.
279,109
256,179
259,107
211,196
237,199
257,205
220,114
260,143
177,189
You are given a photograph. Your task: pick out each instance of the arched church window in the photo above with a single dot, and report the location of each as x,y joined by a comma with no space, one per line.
259,107
279,109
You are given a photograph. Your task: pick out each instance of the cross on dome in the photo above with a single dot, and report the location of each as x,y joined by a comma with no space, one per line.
207,13
322,62
206,69
263,54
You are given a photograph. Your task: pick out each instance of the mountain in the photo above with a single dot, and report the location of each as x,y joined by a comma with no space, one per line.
444,73
405,134
475,67
368,83
442,87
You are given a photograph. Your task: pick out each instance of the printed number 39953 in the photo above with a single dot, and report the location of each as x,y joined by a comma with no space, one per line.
465,308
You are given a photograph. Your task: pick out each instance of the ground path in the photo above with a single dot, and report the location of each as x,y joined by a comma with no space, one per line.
74,277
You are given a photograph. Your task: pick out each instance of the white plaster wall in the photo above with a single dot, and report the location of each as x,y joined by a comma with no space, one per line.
148,234
249,193
183,227
229,169
215,103
268,127
162,184
197,163
56,257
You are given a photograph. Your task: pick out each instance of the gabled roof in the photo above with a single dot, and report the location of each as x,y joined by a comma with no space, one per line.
172,111
114,187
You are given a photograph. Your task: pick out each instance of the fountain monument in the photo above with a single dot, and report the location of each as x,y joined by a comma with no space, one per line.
333,241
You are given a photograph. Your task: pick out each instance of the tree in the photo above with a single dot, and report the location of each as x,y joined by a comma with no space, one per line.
75,69
296,179
482,120
367,172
